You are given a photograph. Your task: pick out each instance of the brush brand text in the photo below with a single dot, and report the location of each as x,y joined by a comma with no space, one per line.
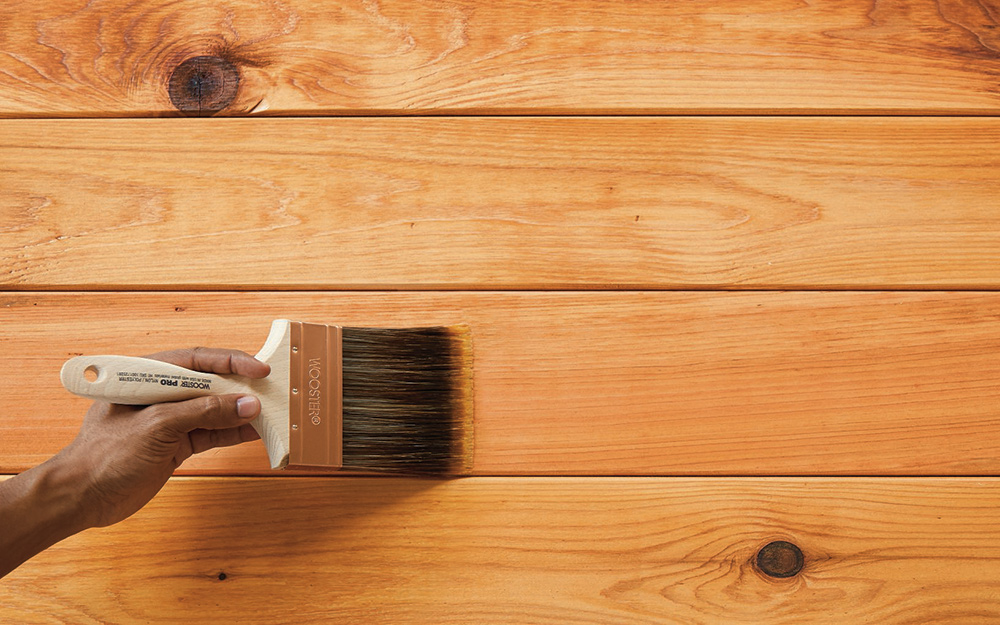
180,381
315,390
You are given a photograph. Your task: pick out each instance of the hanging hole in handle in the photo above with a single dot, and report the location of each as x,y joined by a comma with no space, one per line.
91,373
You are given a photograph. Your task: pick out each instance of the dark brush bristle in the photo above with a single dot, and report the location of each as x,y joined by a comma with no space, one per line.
408,399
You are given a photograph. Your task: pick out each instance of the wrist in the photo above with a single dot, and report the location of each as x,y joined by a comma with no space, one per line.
38,508
61,487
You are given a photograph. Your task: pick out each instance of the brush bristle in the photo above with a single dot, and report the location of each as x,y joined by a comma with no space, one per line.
408,399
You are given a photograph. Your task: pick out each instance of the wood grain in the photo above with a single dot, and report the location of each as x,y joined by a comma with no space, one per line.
116,57
528,550
612,383
486,203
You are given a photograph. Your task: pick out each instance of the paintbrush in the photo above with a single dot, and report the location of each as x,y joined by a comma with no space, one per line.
371,399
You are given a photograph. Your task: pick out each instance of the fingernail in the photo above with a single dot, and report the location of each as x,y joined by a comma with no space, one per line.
247,406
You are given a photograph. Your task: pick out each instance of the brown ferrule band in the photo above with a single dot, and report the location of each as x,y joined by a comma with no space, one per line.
315,397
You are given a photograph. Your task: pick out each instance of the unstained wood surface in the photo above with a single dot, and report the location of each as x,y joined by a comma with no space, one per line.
479,203
612,383
116,57
598,551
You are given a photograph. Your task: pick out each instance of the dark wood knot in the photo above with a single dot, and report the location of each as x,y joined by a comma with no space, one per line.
780,559
203,85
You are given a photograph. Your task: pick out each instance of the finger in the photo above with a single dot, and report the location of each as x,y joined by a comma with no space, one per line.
203,440
212,412
215,360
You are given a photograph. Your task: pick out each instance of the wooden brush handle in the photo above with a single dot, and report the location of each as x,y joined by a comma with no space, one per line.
142,381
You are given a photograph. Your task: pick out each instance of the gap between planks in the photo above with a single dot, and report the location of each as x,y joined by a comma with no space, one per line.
458,289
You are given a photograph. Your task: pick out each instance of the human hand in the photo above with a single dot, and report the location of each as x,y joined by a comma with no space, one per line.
121,458
123,455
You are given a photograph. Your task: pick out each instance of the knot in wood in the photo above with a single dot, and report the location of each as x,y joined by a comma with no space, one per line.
203,85
780,559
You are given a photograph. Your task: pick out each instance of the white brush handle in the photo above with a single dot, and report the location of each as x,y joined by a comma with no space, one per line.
142,381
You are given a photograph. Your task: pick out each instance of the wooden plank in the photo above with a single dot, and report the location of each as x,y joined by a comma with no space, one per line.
500,203
608,383
516,550
117,57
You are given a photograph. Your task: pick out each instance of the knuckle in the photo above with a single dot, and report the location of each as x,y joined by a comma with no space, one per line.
154,414
157,420
213,405
213,438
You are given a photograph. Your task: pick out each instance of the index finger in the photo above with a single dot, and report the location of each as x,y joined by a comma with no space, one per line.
215,360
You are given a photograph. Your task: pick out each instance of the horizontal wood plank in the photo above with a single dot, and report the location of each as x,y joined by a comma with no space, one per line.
610,383
599,551
117,57
487,203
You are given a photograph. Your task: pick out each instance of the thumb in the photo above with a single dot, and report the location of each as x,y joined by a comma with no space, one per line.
212,412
